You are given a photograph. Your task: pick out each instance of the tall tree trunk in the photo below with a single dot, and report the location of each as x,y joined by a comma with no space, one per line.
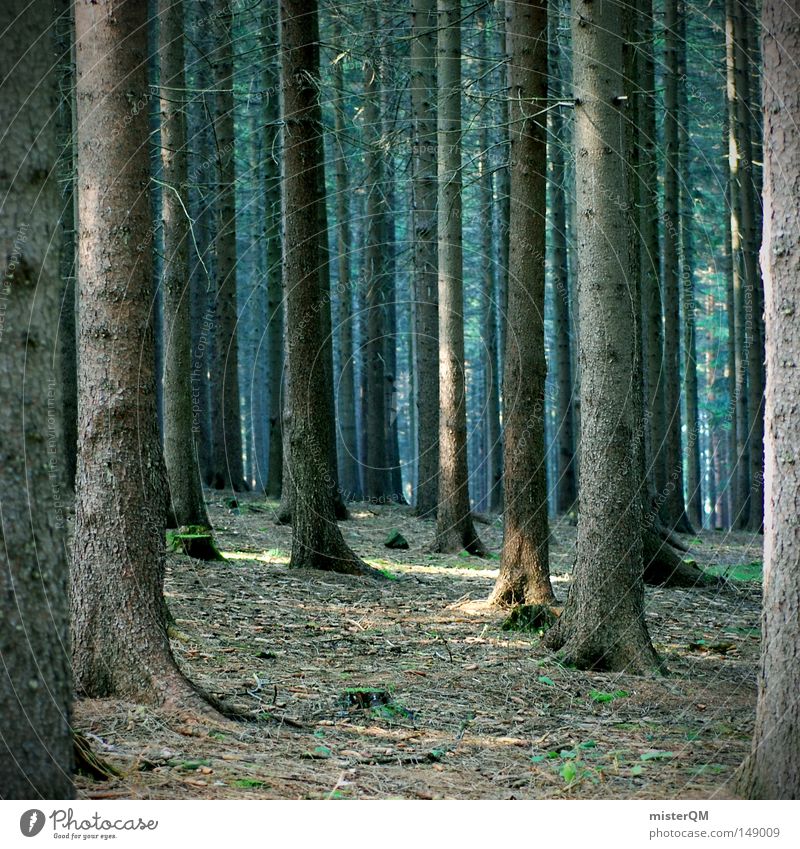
752,278
733,81
394,470
36,755
120,644
524,569
376,488
316,539
67,327
566,485
603,625
503,190
650,266
426,294
732,280
673,510
694,503
226,417
272,236
454,528
771,771
201,162
186,492
346,395
492,442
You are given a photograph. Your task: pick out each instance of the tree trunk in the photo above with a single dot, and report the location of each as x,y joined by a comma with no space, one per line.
346,395
650,266
672,509
752,279
376,488
388,94
524,569
201,161
603,625
492,442
272,236
454,528
733,356
426,295
694,503
733,81
120,644
226,417
186,492
36,757
316,539
772,772
566,485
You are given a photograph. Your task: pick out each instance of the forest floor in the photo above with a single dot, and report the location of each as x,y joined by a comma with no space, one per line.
470,711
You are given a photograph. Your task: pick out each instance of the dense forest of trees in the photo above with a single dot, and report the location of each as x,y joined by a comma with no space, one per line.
487,258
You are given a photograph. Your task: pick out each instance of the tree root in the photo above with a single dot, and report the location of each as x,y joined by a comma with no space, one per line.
663,567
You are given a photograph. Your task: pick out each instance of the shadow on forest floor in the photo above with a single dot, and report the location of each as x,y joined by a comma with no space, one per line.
469,711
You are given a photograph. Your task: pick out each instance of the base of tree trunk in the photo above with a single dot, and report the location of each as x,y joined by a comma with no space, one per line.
194,541
423,512
458,539
665,568
330,558
606,649
517,590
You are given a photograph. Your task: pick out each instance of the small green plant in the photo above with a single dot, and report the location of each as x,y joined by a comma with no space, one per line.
601,696
249,783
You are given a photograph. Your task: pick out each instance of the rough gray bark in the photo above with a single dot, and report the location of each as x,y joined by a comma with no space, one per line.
425,258
36,756
492,442
694,501
272,236
566,484
752,278
524,576
316,539
375,474
672,509
186,492
225,414
454,528
773,769
603,624
120,644
388,96
650,265
733,81
346,392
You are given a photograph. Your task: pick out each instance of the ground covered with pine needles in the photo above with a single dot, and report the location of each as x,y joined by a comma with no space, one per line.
411,688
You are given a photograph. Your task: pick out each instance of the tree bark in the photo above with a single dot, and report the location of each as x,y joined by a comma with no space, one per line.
733,82
524,569
603,625
566,484
673,510
426,294
752,278
650,265
120,644
186,492
771,771
225,413
694,502
346,395
376,477
316,539
36,756
454,528
492,441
